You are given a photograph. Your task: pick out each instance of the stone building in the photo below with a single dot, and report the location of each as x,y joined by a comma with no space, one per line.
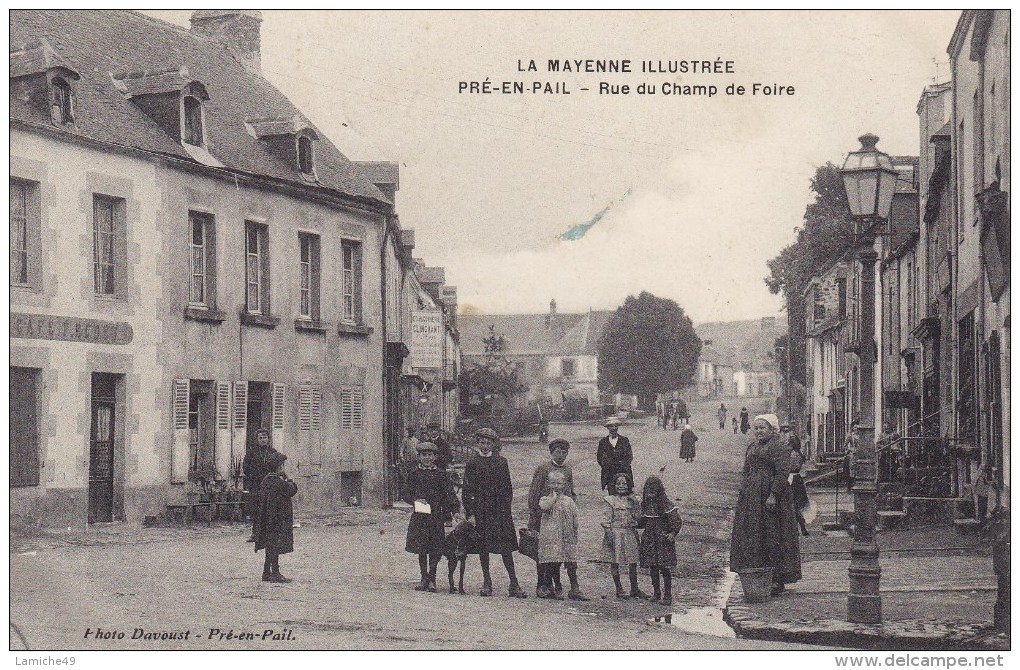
191,260
979,54
557,353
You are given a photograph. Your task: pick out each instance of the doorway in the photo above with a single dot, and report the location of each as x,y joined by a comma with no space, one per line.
102,442
259,411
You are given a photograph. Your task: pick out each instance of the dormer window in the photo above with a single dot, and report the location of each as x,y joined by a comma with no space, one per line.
61,102
193,133
306,155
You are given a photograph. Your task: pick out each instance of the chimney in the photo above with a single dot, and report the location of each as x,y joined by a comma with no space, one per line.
236,29
552,313
449,294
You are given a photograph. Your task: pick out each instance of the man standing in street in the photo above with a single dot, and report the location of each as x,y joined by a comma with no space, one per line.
722,416
614,453
682,416
258,462
790,436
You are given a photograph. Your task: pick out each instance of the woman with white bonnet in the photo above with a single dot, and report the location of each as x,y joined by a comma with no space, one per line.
765,525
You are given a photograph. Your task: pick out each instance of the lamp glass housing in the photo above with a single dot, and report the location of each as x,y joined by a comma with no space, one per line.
869,179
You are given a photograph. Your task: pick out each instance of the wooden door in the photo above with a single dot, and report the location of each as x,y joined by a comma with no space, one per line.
101,446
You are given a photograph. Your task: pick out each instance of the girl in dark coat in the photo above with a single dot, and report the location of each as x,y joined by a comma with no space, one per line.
661,522
765,525
431,492
275,531
488,495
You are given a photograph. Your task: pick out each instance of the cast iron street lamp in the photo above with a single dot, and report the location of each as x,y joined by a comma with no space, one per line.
870,181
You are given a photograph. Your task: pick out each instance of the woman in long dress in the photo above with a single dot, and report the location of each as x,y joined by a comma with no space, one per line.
765,525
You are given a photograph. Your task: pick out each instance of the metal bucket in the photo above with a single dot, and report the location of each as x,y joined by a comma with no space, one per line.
757,584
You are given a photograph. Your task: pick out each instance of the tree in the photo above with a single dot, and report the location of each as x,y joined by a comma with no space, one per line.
496,377
649,346
826,235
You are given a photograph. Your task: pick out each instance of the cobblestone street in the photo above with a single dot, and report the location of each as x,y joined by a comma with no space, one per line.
352,579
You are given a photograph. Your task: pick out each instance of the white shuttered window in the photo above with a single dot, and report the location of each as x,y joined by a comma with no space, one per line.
351,408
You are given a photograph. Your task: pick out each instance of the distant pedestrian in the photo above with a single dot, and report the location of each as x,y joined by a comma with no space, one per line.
722,416
734,420
620,544
850,456
614,453
488,497
800,494
255,467
683,412
408,460
661,522
276,518
745,420
557,537
688,440
431,492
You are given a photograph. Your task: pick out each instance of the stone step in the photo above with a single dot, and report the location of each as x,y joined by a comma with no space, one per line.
888,519
967,526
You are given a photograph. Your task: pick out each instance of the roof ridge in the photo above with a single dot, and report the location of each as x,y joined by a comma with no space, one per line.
152,19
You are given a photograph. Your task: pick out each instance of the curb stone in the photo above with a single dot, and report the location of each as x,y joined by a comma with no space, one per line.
913,634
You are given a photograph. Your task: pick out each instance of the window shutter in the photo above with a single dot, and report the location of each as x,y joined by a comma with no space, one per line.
181,449
279,397
316,407
351,409
240,405
305,407
345,409
309,407
223,406
180,403
356,409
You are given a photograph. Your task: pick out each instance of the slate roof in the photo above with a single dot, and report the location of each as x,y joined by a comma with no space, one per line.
737,342
99,44
583,337
530,335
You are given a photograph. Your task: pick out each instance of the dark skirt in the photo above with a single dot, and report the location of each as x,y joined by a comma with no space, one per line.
763,538
800,496
426,534
655,550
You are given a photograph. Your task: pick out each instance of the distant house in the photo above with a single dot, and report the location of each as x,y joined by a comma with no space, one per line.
735,358
557,353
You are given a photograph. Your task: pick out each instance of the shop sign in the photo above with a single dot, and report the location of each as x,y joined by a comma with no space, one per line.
426,339
70,329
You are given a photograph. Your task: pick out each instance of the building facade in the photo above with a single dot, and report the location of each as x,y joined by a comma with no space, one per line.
942,298
556,353
979,55
194,262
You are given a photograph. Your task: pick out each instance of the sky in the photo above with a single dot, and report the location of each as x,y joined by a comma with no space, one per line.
587,198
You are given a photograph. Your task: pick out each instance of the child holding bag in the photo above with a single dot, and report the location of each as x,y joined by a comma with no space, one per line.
621,515
661,522
431,492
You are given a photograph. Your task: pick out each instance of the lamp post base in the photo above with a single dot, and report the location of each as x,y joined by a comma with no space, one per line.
864,609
